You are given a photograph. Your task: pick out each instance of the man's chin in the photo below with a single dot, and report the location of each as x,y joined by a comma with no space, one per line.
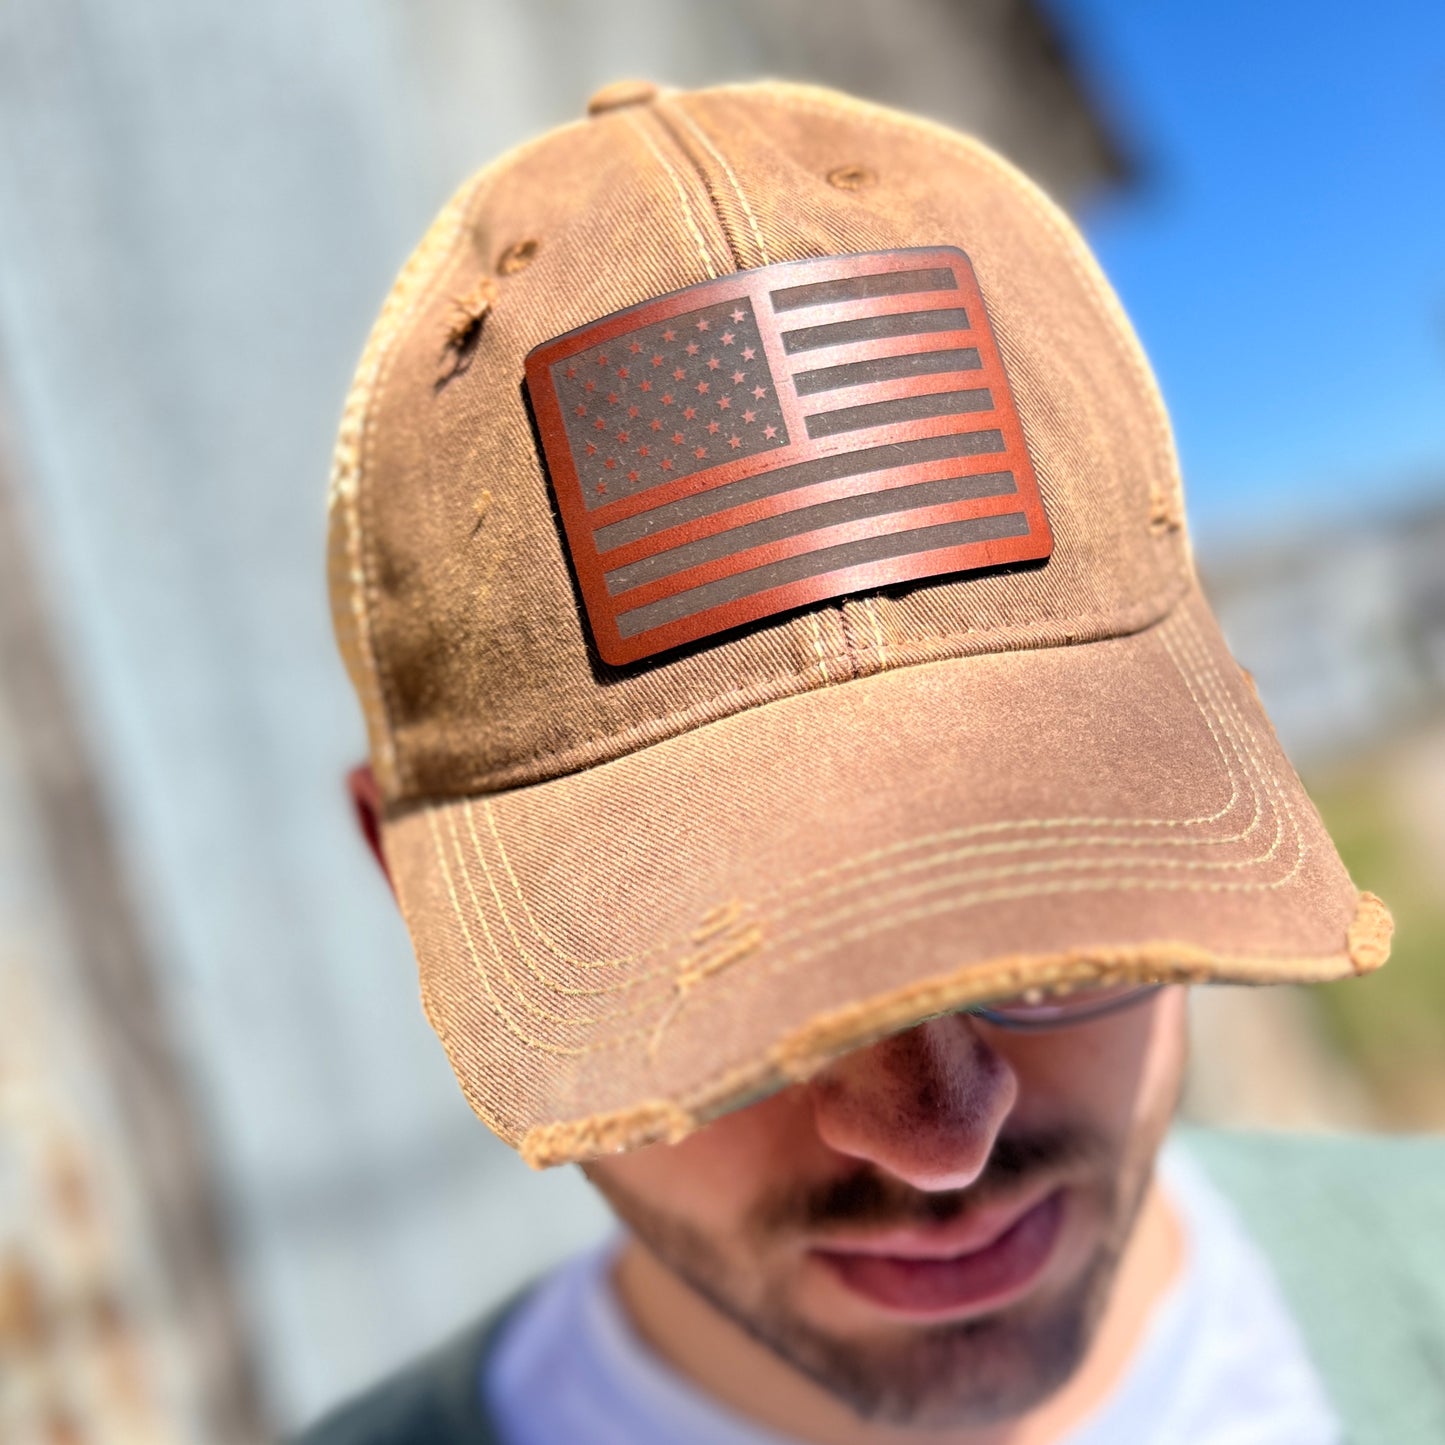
992,1360
952,1373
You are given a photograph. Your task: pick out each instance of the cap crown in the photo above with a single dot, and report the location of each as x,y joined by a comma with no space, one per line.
454,602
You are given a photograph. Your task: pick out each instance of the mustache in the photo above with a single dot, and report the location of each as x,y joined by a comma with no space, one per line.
867,1196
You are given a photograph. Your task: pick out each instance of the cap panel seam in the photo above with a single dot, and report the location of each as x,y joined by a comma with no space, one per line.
849,653
662,118
677,111
811,615
639,124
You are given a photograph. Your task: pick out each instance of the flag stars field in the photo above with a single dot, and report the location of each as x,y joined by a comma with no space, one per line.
676,349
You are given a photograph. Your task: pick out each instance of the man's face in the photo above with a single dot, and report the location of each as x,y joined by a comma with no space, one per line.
929,1228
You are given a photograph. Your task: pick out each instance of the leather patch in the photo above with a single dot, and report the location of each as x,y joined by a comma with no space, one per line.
782,436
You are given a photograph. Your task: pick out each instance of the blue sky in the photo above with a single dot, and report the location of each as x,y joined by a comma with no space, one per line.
1283,256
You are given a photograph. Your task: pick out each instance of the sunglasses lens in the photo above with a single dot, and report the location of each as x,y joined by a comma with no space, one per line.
1067,1008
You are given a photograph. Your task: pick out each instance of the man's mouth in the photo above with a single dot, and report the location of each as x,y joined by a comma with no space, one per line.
982,1261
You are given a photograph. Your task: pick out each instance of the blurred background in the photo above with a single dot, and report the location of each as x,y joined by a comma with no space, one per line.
236,1177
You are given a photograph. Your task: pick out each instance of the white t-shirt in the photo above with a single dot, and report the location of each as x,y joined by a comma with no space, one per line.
1221,1362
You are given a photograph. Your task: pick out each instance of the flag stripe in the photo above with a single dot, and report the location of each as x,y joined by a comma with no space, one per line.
868,328
904,408
764,507
814,563
886,368
809,519
859,288
879,347
802,474
836,535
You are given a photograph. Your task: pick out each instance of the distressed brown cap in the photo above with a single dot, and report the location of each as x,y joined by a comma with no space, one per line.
697,776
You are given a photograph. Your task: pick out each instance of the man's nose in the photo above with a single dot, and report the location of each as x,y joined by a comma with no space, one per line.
925,1105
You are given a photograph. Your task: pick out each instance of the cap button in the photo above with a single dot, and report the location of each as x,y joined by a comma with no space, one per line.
622,93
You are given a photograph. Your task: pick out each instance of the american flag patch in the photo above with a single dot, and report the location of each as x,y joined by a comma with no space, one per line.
781,436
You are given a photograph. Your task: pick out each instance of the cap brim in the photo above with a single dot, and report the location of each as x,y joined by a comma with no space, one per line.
617,956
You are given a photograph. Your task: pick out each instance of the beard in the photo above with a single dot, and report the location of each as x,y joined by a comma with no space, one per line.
970,1372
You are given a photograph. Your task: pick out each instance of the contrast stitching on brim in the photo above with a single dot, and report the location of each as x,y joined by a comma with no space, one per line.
924,844
874,903
851,885
793,958
808,1048
928,850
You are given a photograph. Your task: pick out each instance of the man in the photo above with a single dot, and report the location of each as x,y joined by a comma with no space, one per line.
812,779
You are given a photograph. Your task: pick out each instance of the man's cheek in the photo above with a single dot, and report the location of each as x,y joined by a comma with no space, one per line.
663,1185
1103,1075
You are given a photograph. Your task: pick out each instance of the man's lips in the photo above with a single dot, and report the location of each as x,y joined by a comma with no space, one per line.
984,1260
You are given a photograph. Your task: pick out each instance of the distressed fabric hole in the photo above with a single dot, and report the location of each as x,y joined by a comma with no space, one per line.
518,256
464,328
852,177
469,311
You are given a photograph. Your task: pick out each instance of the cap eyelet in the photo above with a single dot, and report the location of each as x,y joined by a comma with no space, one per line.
852,177
518,256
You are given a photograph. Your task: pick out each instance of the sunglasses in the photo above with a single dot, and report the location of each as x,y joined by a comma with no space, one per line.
1035,1010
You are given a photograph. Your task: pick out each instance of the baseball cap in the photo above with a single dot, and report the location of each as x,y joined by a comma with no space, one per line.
757,544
